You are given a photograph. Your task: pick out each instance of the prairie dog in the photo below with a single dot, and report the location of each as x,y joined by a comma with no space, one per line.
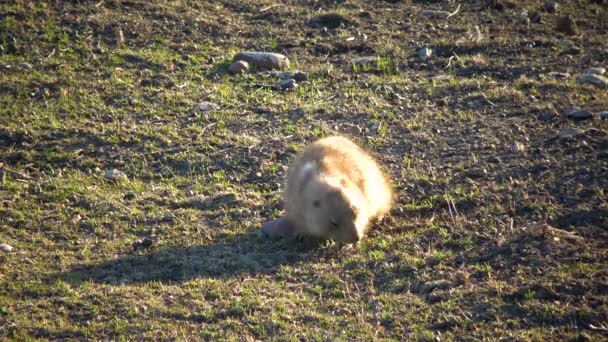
334,189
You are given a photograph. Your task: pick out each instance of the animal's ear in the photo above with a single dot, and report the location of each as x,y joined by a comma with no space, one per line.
306,173
308,169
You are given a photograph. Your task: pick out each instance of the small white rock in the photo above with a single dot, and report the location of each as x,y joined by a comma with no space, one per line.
116,174
596,71
424,53
6,248
263,60
518,147
289,84
570,132
205,106
594,79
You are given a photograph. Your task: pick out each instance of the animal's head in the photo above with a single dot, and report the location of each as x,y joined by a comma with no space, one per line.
335,208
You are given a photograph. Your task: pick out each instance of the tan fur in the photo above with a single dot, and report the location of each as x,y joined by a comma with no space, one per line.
346,184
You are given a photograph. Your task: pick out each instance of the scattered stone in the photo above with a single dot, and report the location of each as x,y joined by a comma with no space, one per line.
353,130
518,147
365,61
476,173
297,75
375,127
424,53
159,80
596,80
551,7
566,43
205,106
547,116
330,21
577,113
6,248
566,24
115,174
398,211
570,133
280,227
596,71
142,243
602,115
288,85
559,75
238,67
26,65
263,60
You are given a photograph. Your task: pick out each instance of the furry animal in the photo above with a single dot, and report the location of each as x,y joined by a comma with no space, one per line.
334,189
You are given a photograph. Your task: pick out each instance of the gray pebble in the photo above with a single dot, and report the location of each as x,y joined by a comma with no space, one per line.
577,113
559,75
238,67
205,106
551,6
6,248
594,79
115,174
596,71
263,60
570,132
424,53
288,84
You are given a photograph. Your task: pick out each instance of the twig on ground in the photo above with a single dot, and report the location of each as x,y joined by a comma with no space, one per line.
269,7
454,13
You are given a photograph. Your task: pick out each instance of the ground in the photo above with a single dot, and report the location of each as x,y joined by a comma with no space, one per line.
500,224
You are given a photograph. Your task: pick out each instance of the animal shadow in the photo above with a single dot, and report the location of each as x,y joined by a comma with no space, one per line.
245,254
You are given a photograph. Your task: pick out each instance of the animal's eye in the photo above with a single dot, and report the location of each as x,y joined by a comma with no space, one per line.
316,203
333,222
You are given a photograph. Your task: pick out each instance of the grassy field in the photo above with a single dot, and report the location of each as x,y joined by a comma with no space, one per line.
500,228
